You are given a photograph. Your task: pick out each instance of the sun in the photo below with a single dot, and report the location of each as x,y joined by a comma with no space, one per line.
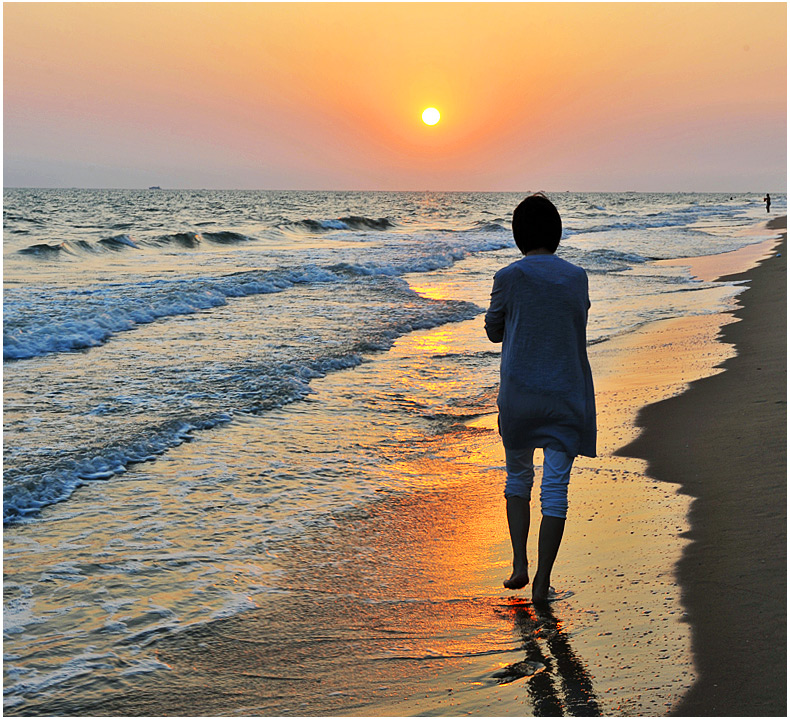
430,116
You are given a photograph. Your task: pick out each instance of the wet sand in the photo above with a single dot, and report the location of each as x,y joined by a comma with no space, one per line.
724,442
400,609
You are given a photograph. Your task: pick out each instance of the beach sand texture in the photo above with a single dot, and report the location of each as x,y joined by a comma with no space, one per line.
724,442
402,612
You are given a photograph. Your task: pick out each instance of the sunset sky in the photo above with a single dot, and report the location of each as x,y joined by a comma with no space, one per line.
555,96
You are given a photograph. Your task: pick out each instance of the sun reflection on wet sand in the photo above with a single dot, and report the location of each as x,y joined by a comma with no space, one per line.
433,292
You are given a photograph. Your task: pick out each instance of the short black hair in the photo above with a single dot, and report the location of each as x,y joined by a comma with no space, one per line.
536,224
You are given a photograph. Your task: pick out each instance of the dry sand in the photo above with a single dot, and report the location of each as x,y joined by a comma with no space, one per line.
724,442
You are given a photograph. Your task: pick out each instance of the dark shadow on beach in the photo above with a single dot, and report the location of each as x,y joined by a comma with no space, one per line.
558,682
724,441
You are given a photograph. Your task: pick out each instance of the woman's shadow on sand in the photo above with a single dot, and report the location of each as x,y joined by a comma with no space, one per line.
557,681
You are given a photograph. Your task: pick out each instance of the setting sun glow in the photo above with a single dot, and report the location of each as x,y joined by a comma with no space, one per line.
430,116
709,115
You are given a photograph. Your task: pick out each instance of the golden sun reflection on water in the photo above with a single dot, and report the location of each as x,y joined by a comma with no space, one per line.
436,342
433,292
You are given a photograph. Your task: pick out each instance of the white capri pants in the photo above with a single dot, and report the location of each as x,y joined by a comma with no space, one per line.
554,485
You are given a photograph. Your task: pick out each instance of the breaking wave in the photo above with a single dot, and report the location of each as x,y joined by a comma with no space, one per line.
243,388
119,243
80,319
226,238
43,249
341,223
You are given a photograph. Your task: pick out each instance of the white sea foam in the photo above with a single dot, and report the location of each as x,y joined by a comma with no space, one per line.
266,387
89,317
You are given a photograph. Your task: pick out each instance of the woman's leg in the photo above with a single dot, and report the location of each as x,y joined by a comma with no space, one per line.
518,490
554,506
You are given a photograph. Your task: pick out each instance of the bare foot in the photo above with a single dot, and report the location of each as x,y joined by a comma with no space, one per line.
541,591
517,580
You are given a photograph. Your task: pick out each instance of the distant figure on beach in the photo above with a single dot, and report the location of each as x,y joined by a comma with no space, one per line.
767,201
538,312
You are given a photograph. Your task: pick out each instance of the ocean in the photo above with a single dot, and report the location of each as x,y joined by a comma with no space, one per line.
194,381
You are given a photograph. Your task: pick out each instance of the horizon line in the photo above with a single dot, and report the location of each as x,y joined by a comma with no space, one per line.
156,188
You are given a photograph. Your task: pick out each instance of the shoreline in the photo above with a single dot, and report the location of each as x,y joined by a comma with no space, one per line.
733,571
405,598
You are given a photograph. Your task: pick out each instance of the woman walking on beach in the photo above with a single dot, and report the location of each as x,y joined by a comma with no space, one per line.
538,312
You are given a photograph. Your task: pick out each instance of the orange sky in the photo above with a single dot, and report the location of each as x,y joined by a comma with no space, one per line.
580,96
